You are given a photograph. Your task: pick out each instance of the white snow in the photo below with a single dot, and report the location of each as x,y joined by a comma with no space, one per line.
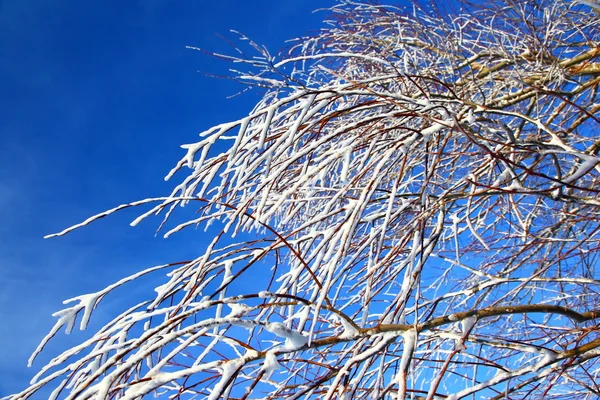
293,340
350,331
270,364
227,371
468,323
470,117
410,344
237,310
584,168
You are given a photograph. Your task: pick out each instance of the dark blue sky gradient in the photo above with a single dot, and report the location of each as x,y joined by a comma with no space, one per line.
96,99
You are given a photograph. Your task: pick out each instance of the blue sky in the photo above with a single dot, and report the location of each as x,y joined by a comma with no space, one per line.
96,99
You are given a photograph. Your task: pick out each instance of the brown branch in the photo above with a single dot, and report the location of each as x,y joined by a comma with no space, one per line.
490,312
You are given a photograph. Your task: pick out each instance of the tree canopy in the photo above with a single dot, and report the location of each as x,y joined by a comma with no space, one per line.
411,210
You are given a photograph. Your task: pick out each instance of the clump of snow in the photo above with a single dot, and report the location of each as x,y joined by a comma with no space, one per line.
459,345
468,324
410,344
270,364
455,218
227,370
589,164
350,331
470,117
237,310
293,340
547,357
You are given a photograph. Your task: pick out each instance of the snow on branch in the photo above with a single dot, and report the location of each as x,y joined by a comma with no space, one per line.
410,211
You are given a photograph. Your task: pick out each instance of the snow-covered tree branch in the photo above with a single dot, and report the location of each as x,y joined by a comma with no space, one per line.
411,211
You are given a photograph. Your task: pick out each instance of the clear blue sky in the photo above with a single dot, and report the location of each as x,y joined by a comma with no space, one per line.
96,99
